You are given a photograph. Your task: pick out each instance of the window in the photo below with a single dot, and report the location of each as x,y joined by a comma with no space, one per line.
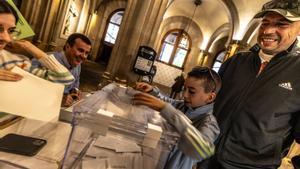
113,27
219,60
175,47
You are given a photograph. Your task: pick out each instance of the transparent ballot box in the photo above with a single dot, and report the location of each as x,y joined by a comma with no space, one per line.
108,132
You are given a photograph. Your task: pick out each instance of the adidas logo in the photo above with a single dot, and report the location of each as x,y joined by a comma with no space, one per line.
286,85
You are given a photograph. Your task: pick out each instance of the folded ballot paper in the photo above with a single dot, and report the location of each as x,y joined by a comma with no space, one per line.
31,97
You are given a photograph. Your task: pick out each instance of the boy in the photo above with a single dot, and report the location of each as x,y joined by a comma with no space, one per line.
191,117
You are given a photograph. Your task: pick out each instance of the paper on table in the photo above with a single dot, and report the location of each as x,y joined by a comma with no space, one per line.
31,97
94,164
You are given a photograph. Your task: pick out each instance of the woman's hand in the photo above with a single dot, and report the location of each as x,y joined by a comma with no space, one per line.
148,100
18,47
7,75
26,48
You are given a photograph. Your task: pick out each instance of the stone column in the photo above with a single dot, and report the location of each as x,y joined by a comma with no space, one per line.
29,10
140,23
46,18
202,58
232,49
54,37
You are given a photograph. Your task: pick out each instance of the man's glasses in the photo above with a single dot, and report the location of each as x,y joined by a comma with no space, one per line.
13,32
290,5
209,70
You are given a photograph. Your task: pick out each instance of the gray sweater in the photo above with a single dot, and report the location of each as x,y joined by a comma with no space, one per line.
198,129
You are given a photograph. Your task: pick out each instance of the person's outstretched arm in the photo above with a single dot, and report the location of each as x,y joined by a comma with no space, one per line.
51,69
147,88
196,143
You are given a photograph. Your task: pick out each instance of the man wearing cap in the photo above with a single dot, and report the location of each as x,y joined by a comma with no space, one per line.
258,109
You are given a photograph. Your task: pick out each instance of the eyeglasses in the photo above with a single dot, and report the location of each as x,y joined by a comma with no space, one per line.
205,70
13,32
290,5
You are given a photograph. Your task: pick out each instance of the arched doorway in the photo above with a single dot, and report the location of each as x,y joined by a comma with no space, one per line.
110,36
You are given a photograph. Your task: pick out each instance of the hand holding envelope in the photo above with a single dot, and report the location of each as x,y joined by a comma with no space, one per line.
9,76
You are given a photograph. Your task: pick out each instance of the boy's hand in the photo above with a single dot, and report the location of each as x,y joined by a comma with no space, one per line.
148,100
9,76
144,87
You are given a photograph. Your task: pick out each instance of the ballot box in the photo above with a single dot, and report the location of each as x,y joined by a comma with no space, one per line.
109,132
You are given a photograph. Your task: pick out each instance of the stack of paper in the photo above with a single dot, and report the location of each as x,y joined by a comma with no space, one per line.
152,135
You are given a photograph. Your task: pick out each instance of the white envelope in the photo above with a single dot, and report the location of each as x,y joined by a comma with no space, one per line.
31,97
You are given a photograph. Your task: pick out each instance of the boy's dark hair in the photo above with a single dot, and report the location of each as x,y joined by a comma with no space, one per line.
71,39
211,79
6,8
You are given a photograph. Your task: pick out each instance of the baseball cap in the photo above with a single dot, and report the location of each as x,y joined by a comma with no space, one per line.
290,9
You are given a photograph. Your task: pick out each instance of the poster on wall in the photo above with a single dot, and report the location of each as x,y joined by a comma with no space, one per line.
144,60
71,19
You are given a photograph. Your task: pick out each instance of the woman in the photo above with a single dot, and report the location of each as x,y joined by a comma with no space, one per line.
52,71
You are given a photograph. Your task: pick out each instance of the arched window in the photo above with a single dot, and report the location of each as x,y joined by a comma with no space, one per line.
219,60
175,48
113,27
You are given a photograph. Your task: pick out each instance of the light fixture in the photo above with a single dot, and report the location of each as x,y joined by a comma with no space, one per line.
197,3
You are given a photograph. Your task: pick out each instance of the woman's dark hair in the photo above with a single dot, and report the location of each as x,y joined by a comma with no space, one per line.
5,7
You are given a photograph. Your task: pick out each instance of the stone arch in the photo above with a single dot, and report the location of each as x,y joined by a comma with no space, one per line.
218,42
104,11
222,31
250,36
233,18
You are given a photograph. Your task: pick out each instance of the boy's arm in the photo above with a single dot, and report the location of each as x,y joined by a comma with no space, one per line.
154,91
196,143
